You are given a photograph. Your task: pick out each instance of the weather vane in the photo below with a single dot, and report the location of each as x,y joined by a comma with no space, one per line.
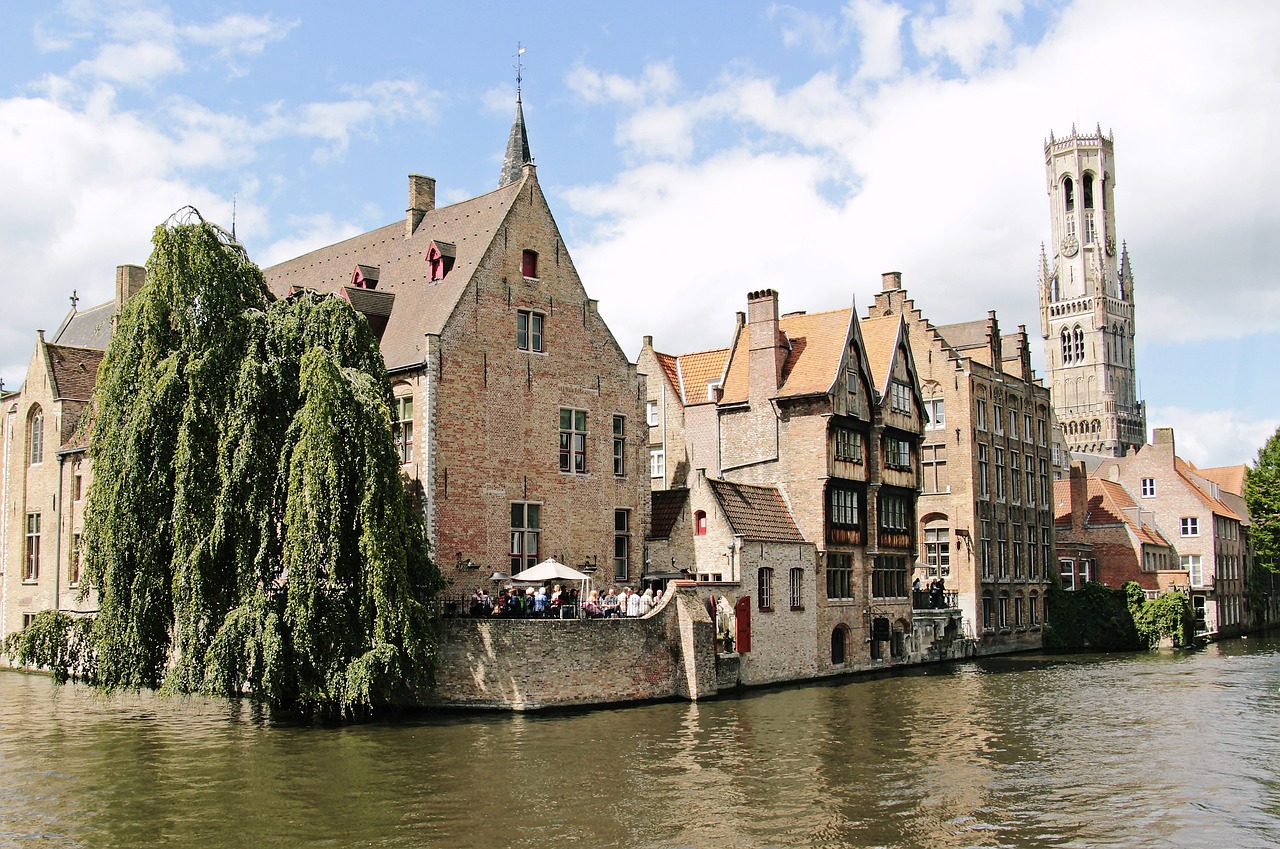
519,66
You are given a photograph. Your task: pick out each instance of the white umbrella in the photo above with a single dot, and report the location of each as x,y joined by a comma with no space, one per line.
549,570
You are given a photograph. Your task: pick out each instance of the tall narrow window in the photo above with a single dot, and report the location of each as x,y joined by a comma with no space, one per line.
651,413
35,436
529,264
764,588
529,330
1002,549
73,568
933,465
621,544
619,445
980,415
700,523
1000,474
526,528
796,588
573,441
1069,194
1088,191
31,568
657,463
1077,339
936,409
402,428
1065,338
986,549
984,487
937,548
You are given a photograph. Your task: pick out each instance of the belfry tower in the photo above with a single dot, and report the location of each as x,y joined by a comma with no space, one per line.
1086,301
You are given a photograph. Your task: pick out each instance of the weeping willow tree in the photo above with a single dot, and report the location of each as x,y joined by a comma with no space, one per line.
247,529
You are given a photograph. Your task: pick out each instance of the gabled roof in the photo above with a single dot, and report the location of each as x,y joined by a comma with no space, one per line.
421,306
882,336
756,512
1109,503
667,505
1185,471
73,371
1228,478
812,364
695,371
966,334
90,328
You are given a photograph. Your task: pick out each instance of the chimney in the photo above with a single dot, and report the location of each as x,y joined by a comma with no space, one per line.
891,281
129,280
1163,436
767,351
648,341
422,199
1079,495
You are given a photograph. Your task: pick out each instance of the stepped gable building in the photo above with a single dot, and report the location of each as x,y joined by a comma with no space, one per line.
1193,512
1087,301
518,416
1103,534
801,501
985,522
45,472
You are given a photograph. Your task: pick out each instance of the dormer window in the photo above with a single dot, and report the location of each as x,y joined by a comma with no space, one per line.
440,257
529,264
365,277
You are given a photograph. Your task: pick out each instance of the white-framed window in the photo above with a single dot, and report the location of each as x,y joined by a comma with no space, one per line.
893,513
848,445
980,414
1041,431
935,408
933,467
839,576
937,549
621,544
900,397
651,413
31,566
796,586
573,441
402,427
984,485
999,474
1015,476
985,544
619,445
764,588
1148,487
526,529
1067,574
657,463
1026,428
999,416
1191,563
1190,526
529,330
1013,423
844,508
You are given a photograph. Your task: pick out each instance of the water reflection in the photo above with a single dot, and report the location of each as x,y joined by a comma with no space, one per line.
1153,750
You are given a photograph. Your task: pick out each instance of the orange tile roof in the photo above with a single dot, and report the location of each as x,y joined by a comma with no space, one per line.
880,336
695,371
1228,478
813,363
1185,470
1106,504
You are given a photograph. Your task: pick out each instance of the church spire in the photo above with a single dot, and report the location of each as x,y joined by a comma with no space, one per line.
517,155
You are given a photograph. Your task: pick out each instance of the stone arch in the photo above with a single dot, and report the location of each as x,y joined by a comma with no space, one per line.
839,644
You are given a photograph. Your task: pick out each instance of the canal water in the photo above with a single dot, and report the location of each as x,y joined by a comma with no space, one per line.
1144,750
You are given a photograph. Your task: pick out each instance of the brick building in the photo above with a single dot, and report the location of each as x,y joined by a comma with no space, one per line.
815,422
1104,535
518,416
1191,512
985,517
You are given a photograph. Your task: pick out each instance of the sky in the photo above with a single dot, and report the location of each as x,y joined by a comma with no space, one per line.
691,153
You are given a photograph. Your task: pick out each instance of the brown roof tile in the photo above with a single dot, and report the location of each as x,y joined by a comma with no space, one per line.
1228,478
813,363
421,305
696,370
756,512
667,505
74,371
880,335
1185,471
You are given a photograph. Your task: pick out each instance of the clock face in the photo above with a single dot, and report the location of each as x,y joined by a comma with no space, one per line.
1111,246
1070,246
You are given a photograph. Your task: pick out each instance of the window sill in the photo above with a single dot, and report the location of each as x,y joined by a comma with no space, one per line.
28,582
531,279
797,607
768,609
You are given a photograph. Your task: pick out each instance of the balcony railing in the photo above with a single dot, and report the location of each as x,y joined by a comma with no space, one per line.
933,599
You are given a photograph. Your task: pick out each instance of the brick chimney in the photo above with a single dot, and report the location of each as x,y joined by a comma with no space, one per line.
422,199
891,281
765,343
129,280
1079,495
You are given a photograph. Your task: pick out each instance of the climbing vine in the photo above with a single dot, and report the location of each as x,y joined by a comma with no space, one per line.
1098,618
247,529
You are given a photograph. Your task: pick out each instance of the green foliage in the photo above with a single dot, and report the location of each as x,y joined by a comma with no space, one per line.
1262,497
247,530
56,641
1092,618
1165,616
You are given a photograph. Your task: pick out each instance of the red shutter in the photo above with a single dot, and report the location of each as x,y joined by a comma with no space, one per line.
742,613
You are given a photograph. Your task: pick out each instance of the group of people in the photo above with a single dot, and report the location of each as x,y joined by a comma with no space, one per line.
937,592
532,603
615,604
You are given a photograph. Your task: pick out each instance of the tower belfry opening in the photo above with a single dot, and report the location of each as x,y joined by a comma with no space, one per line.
1087,301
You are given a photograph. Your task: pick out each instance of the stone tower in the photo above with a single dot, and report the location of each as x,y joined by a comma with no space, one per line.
1086,301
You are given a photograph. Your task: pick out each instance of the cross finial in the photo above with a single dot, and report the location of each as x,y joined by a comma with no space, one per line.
75,299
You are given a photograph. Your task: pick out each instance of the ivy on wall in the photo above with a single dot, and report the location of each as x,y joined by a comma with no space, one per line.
1098,618
247,528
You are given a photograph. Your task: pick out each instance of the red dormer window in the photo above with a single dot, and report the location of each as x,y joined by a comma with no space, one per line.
365,277
529,264
440,256
700,523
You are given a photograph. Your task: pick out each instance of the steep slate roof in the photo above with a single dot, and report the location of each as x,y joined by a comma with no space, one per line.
517,148
89,328
966,334
74,371
812,365
421,306
667,504
756,512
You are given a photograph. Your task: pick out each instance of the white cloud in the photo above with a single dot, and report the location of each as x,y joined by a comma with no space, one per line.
307,233
1209,438
656,82
801,28
969,33
879,26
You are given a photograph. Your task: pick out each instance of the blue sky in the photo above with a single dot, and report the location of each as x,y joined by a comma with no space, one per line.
692,153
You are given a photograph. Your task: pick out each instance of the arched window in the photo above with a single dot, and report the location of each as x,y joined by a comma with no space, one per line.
1066,345
839,644
1068,194
1077,337
1088,191
700,523
35,435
